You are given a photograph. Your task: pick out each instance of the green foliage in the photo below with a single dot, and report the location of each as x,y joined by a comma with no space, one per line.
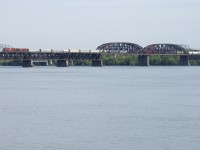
128,60
195,62
82,63
6,62
164,60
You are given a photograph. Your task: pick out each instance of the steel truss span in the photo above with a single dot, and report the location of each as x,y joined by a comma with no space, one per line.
120,47
49,56
163,49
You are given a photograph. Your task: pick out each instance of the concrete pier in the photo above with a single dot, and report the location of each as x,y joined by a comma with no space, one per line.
143,60
62,63
41,63
27,63
184,60
50,62
97,63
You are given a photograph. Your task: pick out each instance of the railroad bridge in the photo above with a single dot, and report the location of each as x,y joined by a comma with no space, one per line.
61,57
150,50
27,57
108,48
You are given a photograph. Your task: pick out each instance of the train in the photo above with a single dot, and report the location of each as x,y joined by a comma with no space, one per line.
15,49
24,50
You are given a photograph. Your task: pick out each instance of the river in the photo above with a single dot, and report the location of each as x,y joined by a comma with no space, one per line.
100,108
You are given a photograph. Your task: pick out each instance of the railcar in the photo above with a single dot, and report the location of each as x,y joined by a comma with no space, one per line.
9,50
65,50
46,50
180,52
194,52
33,50
74,50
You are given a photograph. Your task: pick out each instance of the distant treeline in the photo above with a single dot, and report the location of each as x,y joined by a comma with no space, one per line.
131,60
118,60
6,62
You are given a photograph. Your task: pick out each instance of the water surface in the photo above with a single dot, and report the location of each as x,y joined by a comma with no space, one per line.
100,108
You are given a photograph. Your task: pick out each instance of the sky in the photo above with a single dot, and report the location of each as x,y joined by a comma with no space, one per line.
86,24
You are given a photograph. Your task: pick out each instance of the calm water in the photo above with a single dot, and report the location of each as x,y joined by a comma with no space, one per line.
108,108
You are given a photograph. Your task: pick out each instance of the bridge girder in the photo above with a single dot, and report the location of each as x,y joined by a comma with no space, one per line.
163,49
120,47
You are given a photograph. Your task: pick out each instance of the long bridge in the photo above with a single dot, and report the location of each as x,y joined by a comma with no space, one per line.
143,54
108,48
61,57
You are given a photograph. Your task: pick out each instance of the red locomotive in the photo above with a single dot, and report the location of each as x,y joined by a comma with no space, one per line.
7,50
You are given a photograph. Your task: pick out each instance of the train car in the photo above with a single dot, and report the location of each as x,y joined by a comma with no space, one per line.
89,51
180,52
84,51
194,52
74,50
95,51
33,50
46,50
56,50
65,50
15,50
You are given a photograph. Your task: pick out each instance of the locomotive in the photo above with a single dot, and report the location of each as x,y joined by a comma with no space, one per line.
7,50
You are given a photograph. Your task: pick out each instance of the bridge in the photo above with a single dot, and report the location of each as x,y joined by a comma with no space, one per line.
150,50
61,57
113,48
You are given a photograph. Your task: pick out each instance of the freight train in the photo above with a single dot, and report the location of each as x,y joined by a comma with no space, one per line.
24,50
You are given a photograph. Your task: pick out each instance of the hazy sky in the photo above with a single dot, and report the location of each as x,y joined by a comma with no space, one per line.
86,24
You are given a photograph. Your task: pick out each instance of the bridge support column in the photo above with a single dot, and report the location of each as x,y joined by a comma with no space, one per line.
184,60
40,63
97,63
27,63
50,62
143,60
62,63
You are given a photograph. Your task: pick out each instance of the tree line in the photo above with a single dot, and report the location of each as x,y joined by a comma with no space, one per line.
131,60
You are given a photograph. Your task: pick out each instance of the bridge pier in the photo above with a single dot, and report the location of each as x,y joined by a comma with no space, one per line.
50,62
62,63
184,60
97,63
41,63
143,60
27,63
